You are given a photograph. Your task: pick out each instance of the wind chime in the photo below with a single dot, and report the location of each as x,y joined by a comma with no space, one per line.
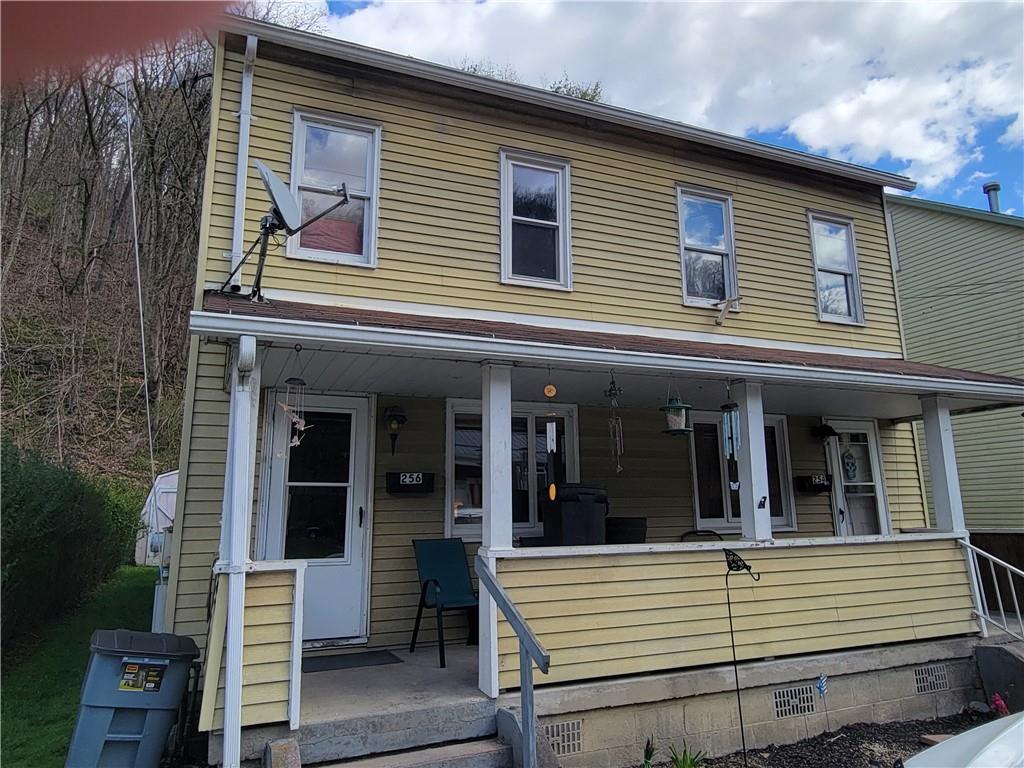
551,440
731,440
294,404
615,423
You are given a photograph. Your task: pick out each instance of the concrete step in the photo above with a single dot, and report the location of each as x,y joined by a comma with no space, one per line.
397,730
488,753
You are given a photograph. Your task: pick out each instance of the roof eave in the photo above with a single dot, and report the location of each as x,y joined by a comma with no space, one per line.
372,57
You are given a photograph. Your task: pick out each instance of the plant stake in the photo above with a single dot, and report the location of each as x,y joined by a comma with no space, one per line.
735,563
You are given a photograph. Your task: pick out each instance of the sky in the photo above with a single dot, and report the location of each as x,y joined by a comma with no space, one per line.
933,90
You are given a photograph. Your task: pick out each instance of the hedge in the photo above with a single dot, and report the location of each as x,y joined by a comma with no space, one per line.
61,536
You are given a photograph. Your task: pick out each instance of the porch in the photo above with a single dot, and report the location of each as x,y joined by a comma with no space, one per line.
476,418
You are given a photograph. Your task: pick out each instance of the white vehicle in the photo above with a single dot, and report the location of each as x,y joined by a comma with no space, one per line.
998,744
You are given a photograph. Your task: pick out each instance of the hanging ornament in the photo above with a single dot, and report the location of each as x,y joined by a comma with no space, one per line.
294,404
677,415
615,423
731,441
551,440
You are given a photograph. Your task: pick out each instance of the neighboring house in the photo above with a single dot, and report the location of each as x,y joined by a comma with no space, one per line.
501,239
960,274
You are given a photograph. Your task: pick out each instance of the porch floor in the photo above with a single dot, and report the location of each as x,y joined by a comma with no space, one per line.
416,683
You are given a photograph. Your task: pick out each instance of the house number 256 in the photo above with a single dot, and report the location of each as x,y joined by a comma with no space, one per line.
412,478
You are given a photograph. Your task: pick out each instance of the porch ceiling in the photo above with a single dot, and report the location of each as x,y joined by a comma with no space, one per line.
353,350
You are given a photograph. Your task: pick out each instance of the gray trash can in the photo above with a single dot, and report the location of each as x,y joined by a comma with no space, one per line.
130,697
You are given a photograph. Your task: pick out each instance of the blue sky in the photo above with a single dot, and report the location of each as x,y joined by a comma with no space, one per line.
932,90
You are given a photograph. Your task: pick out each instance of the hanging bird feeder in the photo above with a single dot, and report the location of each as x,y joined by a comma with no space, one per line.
677,416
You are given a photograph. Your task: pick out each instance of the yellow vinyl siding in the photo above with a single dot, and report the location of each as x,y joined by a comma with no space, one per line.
267,653
904,485
201,490
438,223
990,462
606,615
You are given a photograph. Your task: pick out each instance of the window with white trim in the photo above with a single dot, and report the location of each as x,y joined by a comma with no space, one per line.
535,229
464,463
835,268
326,153
706,244
716,478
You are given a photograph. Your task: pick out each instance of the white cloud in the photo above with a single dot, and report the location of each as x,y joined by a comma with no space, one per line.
914,83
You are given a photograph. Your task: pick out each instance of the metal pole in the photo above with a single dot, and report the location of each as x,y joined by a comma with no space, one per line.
526,697
735,668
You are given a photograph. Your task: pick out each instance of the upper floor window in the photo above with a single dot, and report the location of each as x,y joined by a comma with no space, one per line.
835,264
535,240
326,153
705,235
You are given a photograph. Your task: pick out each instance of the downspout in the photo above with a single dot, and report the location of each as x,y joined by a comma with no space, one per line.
245,384
242,166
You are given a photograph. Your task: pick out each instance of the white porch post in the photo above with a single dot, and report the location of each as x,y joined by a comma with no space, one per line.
755,500
938,435
236,520
497,497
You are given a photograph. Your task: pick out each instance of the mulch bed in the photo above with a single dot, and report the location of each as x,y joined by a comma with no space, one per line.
853,746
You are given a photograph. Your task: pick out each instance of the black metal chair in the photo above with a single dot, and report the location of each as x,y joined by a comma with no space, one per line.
445,585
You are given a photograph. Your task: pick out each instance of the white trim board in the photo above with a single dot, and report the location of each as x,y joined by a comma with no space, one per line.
477,348
545,321
640,549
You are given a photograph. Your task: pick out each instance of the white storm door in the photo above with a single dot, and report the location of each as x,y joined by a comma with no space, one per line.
857,486
319,511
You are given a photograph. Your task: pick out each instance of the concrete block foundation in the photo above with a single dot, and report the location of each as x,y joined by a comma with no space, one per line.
698,707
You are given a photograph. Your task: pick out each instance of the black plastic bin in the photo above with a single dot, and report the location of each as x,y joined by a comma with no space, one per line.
130,698
576,517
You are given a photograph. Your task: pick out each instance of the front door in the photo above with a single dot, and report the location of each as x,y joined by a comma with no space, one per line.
318,510
857,486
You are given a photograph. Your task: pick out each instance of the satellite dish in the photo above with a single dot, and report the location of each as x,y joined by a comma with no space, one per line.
281,197
284,215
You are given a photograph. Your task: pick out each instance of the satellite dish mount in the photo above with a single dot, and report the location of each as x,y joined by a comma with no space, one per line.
283,216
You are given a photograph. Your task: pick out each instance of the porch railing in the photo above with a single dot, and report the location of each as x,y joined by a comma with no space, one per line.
530,652
1008,618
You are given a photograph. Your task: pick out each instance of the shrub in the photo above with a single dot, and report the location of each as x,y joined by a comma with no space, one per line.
61,535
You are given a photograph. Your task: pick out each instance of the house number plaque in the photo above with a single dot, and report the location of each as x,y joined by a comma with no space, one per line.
409,483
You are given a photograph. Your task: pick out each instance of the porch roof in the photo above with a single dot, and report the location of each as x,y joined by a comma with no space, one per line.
227,316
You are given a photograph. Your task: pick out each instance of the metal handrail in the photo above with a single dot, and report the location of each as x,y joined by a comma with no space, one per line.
530,652
981,602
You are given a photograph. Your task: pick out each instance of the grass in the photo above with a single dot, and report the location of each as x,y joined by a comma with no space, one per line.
40,688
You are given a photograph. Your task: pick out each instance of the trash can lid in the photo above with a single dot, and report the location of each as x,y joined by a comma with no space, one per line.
143,643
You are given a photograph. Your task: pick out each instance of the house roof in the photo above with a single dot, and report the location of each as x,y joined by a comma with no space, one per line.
406,65
956,210
236,304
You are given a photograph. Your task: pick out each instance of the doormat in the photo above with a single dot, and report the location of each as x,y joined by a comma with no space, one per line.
349,661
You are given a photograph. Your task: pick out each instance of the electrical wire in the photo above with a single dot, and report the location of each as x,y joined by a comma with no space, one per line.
138,283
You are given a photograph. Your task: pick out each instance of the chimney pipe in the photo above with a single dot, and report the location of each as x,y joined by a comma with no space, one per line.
992,190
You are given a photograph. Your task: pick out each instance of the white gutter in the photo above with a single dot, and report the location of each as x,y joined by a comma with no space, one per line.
242,162
391,62
487,347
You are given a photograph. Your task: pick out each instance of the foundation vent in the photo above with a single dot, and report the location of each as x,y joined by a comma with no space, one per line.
790,702
566,737
931,677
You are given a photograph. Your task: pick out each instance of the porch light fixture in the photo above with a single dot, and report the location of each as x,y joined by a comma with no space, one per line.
394,420
677,416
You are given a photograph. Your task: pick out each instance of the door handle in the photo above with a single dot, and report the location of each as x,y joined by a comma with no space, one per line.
362,513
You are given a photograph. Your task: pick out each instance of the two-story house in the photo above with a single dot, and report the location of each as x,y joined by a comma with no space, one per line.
518,295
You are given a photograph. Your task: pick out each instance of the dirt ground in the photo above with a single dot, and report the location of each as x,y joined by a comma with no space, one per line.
853,746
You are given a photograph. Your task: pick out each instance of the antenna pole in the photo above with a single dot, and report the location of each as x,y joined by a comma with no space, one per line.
267,228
